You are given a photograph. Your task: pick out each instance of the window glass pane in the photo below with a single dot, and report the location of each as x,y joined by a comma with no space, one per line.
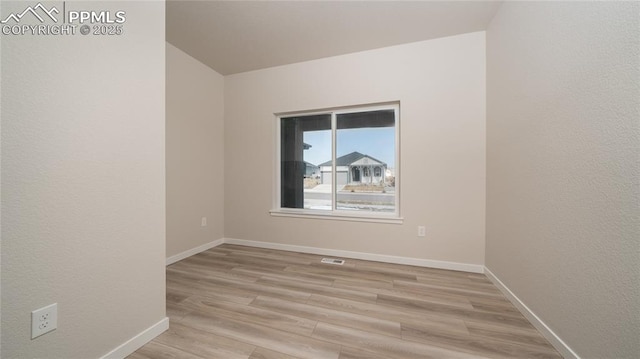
365,161
305,144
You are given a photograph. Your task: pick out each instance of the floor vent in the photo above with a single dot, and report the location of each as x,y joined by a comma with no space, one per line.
333,261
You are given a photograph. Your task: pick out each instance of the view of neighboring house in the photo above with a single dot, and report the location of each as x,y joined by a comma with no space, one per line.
311,170
354,168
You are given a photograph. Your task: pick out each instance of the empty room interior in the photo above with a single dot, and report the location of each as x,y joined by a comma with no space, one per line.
320,179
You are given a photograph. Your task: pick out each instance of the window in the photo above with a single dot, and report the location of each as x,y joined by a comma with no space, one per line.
339,163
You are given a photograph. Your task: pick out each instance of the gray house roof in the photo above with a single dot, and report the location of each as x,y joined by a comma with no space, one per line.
350,158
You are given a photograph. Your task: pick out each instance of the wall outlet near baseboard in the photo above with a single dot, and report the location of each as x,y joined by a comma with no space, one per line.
422,231
44,320
203,222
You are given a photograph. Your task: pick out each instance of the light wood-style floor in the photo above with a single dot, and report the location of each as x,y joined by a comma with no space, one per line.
241,302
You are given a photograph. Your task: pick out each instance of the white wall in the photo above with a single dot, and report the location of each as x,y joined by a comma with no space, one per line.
562,168
83,191
195,153
441,87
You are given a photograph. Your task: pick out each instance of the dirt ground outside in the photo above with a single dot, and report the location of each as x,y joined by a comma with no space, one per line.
364,188
311,182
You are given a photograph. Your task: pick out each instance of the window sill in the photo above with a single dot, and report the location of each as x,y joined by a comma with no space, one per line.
310,214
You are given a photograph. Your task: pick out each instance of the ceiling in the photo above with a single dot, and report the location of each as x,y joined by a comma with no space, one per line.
238,36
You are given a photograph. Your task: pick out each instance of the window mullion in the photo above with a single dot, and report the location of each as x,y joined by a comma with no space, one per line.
396,111
334,168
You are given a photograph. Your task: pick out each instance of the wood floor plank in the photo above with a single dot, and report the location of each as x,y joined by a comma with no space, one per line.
176,312
524,334
211,291
357,321
414,305
477,277
252,314
157,350
442,293
268,338
176,297
459,301
342,272
357,353
233,248
288,276
415,270
138,355
496,307
203,263
237,260
272,256
319,289
389,313
445,288
381,344
363,283
477,345
463,284
238,302
256,288
189,270
188,288
204,344
262,353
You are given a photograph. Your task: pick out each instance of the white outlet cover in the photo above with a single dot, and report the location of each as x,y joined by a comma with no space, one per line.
44,320
422,231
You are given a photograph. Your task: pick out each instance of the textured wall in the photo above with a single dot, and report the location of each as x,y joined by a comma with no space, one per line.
195,153
563,168
441,88
83,192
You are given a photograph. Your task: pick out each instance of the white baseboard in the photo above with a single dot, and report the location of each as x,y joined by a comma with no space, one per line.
474,268
464,267
138,341
193,251
554,339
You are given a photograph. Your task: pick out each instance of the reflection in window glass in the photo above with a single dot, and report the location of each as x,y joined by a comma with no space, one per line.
304,141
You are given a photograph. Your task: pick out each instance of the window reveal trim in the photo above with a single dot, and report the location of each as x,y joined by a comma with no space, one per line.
335,213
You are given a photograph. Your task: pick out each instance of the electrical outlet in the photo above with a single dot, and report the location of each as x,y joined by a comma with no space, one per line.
422,231
44,320
203,222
